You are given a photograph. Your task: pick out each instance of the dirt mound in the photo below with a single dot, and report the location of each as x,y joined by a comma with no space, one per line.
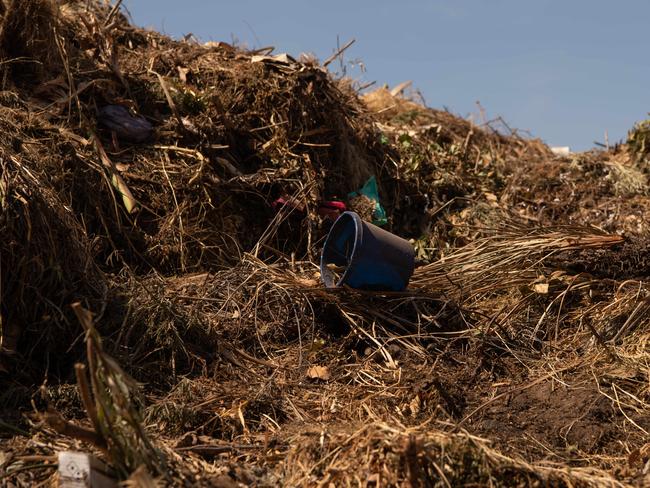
163,204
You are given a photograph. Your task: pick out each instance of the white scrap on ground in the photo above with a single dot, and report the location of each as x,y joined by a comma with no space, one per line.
81,470
561,150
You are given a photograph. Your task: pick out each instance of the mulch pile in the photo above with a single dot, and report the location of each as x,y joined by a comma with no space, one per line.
161,306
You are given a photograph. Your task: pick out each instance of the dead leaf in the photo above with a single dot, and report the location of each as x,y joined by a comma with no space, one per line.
414,405
282,58
639,456
189,125
306,282
319,373
556,275
490,197
541,288
71,135
182,73
220,45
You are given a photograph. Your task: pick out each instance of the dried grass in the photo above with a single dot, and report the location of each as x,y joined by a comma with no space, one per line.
519,354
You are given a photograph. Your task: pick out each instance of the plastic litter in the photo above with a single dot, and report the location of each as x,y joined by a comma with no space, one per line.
331,210
291,203
370,191
127,127
369,257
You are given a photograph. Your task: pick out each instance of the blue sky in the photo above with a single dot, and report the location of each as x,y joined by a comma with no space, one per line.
567,71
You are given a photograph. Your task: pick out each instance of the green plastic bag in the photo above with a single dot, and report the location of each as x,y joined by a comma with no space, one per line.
371,191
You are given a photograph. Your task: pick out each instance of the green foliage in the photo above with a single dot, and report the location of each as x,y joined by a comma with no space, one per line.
188,101
406,117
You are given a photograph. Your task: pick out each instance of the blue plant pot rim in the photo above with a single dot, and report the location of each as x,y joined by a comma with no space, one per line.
358,236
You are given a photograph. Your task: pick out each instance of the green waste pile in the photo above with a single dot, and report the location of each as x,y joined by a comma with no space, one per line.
162,212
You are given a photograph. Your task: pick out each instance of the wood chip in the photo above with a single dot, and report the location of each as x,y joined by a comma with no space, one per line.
541,288
319,373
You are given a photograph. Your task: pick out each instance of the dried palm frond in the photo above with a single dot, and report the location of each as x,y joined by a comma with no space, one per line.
506,259
108,394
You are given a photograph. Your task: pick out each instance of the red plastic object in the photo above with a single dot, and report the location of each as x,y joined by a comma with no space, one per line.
332,209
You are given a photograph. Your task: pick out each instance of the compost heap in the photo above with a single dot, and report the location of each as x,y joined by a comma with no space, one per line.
161,305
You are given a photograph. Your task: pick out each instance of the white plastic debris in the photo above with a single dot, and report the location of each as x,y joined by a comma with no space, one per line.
81,470
561,150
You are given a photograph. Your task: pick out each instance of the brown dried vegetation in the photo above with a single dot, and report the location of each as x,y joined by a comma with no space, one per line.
157,310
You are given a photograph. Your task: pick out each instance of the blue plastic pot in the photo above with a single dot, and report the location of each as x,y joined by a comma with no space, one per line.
373,259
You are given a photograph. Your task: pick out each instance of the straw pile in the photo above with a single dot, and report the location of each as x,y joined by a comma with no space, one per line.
161,310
